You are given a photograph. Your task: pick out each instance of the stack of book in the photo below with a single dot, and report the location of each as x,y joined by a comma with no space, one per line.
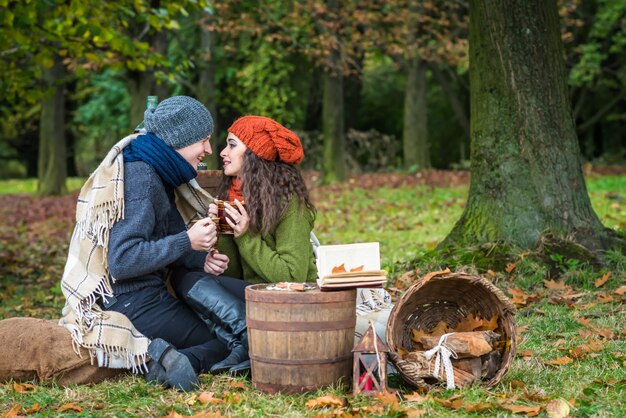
349,266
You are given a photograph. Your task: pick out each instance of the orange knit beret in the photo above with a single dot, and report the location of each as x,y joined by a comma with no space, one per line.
268,139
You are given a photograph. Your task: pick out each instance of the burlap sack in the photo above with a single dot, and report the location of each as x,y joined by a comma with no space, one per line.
41,350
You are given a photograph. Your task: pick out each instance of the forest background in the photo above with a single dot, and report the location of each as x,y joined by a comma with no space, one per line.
369,85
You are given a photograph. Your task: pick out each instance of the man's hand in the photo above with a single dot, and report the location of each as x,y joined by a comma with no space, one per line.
215,263
203,235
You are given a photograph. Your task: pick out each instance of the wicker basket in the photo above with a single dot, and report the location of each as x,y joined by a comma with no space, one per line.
448,297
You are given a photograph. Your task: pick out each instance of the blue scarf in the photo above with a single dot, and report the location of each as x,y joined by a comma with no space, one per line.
173,169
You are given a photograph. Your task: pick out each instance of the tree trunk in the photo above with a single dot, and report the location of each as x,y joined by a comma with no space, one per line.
143,83
140,85
416,149
527,180
332,122
457,105
206,88
52,165
333,114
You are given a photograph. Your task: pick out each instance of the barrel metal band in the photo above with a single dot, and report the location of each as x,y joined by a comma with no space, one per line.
301,326
300,362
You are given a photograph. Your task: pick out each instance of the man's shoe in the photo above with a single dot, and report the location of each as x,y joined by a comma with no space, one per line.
241,368
178,372
156,374
237,356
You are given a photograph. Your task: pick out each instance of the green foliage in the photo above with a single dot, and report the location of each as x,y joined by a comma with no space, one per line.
607,37
101,121
262,85
89,35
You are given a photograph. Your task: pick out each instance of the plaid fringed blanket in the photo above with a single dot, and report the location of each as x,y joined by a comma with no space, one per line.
109,336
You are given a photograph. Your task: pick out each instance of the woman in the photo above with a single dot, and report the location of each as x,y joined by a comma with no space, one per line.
144,235
272,221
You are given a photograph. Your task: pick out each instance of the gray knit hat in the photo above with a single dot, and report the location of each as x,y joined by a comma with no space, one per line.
179,121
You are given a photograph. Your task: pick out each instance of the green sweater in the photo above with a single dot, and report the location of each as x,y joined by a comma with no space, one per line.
284,256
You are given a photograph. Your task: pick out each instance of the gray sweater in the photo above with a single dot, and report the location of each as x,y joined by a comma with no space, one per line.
152,234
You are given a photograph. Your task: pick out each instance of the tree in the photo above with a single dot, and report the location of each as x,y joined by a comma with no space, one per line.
527,182
44,43
421,36
52,150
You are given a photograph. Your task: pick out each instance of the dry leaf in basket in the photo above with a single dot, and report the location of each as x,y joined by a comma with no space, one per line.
476,323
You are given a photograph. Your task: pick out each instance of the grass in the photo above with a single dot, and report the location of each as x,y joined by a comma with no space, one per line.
29,186
407,221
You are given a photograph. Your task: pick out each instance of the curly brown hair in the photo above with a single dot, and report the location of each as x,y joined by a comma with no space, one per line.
268,187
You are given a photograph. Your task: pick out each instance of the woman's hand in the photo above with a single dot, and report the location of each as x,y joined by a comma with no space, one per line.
238,220
213,210
215,263
203,235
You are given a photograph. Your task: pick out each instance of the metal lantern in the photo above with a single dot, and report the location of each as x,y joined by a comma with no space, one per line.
364,380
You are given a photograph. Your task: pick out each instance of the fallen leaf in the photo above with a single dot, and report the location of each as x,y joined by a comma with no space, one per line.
233,398
414,413
23,387
207,397
324,401
339,269
236,385
440,329
565,299
452,403
13,412
620,290
605,277
604,298
477,407
402,352
517,384
585,322
560,361
553,285
526,353
417,334
72,406
607,333
521,298
33,409
174,414
475,323
388,398
510,267
535,396
359,268
523,328
416,397
557,408
529,410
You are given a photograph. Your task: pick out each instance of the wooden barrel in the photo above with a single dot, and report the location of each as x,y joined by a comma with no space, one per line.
300,341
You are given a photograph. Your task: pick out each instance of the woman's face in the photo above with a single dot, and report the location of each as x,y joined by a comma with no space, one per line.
195,152
232,155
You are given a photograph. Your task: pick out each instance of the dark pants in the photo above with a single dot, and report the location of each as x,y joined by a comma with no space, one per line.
182,281
157,314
